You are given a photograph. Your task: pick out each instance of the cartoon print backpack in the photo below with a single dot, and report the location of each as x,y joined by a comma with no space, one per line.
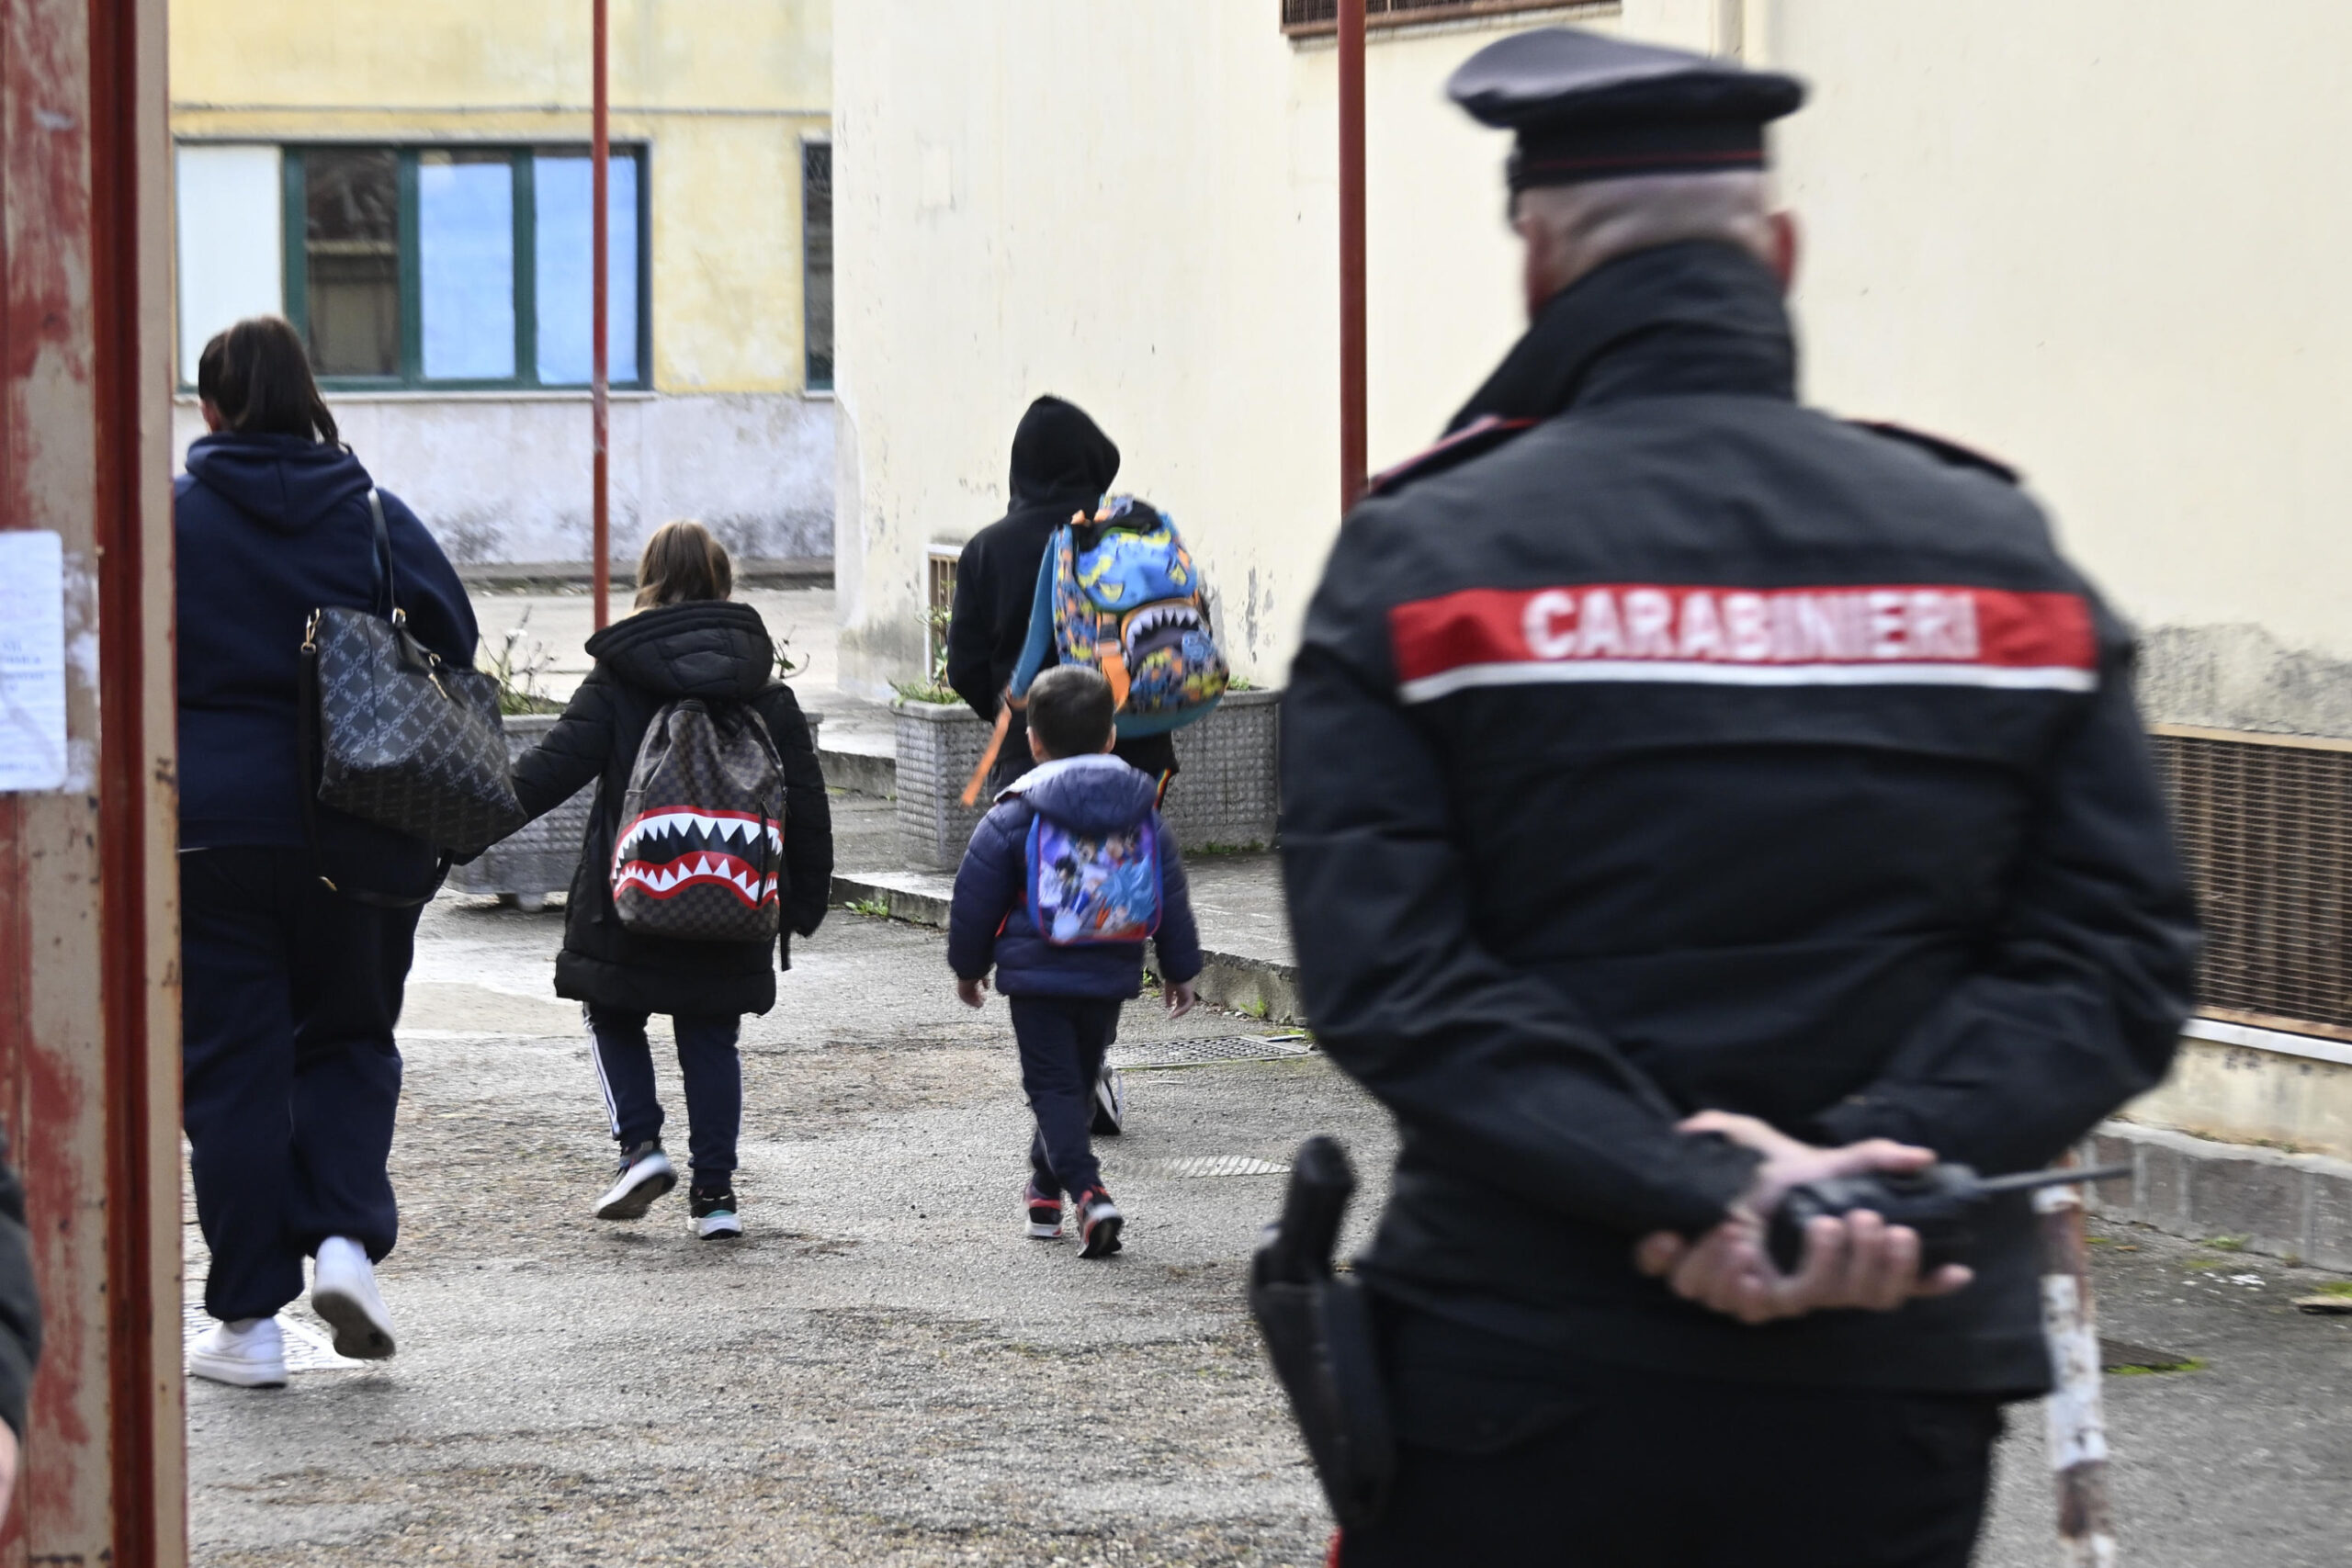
1120,592
701,840
1087,889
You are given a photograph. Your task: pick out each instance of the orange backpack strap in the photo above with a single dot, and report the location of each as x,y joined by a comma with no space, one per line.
995,745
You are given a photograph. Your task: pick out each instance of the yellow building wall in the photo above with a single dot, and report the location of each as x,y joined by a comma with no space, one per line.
722,92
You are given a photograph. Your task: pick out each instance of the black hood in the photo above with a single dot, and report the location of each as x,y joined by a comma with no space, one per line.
706,648
286,481
1059,453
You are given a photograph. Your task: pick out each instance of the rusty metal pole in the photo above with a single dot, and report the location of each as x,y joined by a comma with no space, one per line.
600,270
1352,440
2077,1425
89,1017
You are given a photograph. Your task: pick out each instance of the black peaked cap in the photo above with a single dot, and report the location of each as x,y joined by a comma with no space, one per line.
1591,107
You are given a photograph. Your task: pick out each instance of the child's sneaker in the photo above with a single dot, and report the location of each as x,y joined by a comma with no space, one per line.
646,1174
1099,1222
713,1210
1045,1216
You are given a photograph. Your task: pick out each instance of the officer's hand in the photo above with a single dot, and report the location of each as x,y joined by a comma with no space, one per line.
1859,1261
1181,998
972,992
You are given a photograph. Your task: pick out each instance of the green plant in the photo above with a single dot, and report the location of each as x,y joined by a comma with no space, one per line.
934,686
2339,1288
516,663
2193,1364
873,909
1240,683
2224,1243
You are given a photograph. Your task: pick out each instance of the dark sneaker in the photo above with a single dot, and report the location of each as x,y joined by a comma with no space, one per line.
713,1211
1099,1222
646,1174
1045,1216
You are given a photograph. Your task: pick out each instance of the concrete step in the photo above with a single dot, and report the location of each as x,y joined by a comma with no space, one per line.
2268,1200
861,769
1259,986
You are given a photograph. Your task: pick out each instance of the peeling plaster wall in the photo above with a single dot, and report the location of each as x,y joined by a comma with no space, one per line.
2092,238
1136,206
502,480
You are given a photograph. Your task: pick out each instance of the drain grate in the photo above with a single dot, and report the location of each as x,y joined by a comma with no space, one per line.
1227,1048
1205,1165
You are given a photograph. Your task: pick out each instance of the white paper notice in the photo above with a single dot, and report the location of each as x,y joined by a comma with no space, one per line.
32,659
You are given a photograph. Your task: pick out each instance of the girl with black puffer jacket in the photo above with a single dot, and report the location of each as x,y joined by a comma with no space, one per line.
687,639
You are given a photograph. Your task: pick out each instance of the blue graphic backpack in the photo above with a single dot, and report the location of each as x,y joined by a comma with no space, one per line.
1121,593
1088,890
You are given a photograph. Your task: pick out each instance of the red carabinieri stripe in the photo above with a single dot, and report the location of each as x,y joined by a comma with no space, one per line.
1940,633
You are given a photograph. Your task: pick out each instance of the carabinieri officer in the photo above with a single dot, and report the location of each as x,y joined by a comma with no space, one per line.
1685,795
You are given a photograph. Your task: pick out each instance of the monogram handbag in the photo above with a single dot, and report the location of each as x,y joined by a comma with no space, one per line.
397,735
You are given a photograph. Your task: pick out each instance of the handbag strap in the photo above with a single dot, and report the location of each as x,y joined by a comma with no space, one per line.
387,587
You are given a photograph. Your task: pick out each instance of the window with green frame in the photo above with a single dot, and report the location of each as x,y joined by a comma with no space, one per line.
461,267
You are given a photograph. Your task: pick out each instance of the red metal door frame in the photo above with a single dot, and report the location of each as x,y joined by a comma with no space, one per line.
88,938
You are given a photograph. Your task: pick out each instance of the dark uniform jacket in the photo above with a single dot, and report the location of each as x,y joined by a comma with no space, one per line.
1659,744
719,651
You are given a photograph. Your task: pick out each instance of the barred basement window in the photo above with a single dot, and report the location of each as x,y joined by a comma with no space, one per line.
1309,18
2266,826
940,601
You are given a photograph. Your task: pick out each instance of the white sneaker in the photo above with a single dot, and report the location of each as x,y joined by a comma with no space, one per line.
343,1292
646,1174
249,1353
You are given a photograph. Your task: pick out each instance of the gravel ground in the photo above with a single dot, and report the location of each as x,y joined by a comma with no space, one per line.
883,1371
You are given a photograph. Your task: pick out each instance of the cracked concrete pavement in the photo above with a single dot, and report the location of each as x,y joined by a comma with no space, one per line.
883,1371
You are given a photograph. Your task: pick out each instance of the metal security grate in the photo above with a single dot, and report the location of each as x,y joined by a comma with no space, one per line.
1308,17
2266,828
1201,1165
1229,1048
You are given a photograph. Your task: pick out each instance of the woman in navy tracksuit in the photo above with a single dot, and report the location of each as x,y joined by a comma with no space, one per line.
290,982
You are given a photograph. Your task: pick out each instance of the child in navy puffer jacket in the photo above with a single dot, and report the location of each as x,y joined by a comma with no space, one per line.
1078,805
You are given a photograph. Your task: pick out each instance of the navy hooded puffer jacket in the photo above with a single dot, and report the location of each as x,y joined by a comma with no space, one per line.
267,528
991,922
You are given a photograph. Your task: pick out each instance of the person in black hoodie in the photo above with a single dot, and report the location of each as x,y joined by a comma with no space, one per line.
686,641
290,982
1062,463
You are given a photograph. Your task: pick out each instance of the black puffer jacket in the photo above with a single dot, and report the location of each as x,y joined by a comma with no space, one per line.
710,649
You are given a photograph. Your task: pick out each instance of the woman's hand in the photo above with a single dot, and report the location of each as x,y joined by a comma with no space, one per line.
972,992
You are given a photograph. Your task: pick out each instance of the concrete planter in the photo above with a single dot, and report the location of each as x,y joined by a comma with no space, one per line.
540,859
939,744
1227,794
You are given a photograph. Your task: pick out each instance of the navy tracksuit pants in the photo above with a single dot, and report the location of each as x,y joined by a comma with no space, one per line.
288,997
708,1060
1062,1043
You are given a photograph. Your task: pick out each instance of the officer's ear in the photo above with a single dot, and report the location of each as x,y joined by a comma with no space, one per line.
1784,248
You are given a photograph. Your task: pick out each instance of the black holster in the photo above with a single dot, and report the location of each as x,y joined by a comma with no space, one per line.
1319,1336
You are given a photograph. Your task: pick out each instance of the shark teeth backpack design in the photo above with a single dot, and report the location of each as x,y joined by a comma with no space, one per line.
701,837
